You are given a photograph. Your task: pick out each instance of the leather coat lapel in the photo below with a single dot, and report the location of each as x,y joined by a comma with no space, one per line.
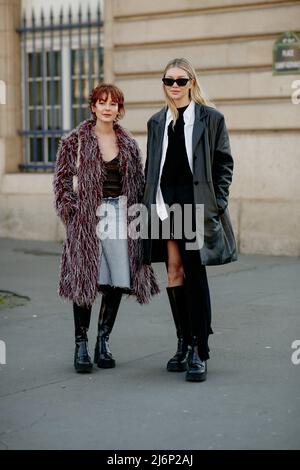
160,122
159,129
199,125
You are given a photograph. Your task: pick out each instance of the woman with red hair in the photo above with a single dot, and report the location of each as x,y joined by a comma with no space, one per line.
99,175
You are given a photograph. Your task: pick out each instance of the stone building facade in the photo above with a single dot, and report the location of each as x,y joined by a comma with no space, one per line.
230,43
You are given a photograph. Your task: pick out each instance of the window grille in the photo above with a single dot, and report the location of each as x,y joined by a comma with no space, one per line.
61,62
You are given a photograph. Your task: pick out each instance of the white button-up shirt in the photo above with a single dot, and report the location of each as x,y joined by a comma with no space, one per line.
189,119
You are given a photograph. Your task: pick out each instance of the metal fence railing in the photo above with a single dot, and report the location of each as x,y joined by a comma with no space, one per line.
61,62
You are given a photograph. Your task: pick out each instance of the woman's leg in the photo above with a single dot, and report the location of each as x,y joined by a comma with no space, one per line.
198,297
114,271
198,306
175,266
107,316
176,295
82,317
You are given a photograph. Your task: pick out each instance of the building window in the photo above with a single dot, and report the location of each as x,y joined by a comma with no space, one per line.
44,110
62,62
84,77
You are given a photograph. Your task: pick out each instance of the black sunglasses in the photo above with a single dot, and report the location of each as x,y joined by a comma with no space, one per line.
171,81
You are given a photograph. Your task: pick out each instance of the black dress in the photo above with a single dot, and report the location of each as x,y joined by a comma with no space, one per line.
177,189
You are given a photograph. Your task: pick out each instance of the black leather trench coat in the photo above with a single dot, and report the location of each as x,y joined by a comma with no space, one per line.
212,176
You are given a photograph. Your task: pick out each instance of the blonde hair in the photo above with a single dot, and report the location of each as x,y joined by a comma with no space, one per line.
196,92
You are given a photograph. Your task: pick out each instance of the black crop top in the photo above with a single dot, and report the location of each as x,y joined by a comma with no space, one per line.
112,186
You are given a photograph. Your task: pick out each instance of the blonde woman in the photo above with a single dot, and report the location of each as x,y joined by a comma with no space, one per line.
188,169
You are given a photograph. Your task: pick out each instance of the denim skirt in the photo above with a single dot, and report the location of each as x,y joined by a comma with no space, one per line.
113,243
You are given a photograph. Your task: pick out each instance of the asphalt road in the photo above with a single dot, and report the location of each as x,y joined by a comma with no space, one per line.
251,399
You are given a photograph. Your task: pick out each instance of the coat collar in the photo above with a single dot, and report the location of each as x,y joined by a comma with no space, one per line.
199,124
160,117
188,115
124,138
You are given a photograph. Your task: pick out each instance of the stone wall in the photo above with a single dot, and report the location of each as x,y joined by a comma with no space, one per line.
230,44
10,73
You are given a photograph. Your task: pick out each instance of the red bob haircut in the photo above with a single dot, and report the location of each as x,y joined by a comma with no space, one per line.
102,91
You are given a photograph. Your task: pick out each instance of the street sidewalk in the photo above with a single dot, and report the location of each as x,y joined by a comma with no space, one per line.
251,399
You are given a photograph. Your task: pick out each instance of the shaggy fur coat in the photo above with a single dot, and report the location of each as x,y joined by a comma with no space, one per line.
79,268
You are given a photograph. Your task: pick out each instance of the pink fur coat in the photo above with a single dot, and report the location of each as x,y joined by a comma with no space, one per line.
79,268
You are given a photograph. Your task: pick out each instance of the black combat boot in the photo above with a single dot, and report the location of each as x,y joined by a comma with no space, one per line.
82,316
177,302
107,315
196,367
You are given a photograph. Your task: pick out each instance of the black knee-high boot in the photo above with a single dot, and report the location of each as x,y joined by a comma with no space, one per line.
199,309
196,367
82,317
107,316
199,319
181,319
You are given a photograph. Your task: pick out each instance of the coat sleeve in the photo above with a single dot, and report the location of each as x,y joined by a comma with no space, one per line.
222,168
65,199
149,130
139,178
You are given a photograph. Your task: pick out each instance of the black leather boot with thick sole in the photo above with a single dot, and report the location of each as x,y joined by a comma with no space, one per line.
176,295
82,359
196,367
103,356
107,316
178,363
